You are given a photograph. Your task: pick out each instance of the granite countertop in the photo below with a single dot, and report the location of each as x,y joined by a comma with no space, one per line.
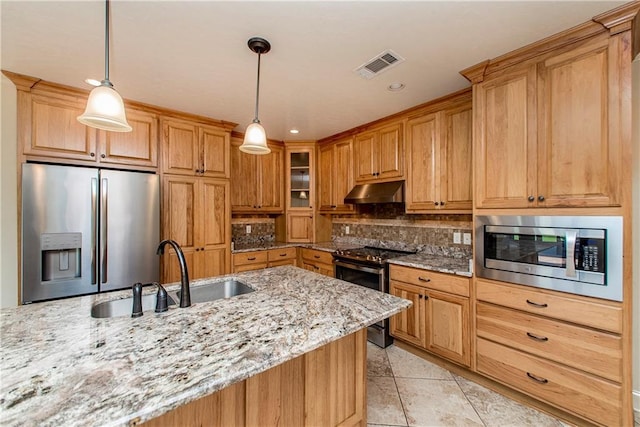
59,366
321,246
439,263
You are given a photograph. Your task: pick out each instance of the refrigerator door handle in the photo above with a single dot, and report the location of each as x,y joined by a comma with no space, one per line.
94,218
104,211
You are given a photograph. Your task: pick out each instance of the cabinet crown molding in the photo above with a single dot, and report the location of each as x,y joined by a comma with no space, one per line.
614,21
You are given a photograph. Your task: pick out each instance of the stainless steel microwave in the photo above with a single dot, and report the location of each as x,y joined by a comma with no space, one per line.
576,254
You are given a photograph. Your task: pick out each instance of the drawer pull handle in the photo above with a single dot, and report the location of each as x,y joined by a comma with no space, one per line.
423,279
316,256
283,254
252,258
536,337
535,304
537,379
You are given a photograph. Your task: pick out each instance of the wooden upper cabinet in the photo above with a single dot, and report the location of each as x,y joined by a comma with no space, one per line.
505,155
50,128
552,134
300,227
379,154
335,176
256,181
579,146
138,147
194,149
438,159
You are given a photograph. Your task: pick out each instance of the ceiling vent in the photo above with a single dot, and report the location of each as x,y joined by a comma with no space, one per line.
376,65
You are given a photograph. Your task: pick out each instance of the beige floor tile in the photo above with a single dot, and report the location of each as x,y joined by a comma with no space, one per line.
429,403
377,362
497,410
383,402
407,365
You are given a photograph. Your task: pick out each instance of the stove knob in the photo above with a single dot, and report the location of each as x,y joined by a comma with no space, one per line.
368,257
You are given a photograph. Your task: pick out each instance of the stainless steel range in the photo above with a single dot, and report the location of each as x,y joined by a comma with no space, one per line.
368,267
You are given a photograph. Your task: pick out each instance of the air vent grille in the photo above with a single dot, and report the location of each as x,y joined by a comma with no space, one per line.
384,61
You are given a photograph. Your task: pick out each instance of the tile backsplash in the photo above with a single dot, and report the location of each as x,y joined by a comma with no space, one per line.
262,230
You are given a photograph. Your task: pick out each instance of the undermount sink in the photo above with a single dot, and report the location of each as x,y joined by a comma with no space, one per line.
217,290
124,306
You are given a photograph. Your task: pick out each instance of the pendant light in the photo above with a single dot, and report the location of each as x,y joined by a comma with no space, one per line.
105,109
255,138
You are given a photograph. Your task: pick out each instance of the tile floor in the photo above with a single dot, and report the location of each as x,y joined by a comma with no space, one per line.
406,390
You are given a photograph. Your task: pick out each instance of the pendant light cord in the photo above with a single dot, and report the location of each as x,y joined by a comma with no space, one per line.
255,119
106,45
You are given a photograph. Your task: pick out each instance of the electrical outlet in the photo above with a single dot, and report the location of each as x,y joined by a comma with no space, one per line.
466,238
346,229
248,229
456,237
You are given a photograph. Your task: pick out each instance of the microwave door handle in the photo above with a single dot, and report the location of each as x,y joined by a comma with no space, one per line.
570,240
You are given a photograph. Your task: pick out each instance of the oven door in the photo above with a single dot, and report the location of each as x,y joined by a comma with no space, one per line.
367,276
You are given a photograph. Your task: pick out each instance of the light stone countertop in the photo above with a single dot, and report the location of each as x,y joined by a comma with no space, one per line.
59,366
439,263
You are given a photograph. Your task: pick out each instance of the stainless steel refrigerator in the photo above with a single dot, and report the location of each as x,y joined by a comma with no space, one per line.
87,230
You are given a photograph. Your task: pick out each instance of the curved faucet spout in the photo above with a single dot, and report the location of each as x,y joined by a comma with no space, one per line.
185,295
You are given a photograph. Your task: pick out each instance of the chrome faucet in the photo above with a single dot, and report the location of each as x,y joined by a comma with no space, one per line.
185,295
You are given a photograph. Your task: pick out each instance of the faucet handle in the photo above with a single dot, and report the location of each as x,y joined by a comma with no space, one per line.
161,299
137,300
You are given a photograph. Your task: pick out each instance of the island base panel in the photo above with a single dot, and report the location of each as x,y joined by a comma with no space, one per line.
324,387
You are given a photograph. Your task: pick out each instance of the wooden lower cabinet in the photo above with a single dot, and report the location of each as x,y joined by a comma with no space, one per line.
282,256
561,349
317,261
256,260
585,395
437,321
325,387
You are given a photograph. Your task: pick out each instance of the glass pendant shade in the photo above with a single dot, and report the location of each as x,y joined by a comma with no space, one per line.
255,140
105,110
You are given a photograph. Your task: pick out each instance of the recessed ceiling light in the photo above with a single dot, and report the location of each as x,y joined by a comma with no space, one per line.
294,131
93,82
395,87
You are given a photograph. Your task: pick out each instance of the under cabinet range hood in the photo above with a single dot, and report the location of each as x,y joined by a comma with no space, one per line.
382,192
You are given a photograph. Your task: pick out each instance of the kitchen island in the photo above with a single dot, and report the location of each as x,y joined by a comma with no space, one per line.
59,366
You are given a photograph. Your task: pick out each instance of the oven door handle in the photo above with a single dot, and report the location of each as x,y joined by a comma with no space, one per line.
358,267
570,240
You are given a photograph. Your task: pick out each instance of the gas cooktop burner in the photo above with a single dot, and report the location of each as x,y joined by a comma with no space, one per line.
370,254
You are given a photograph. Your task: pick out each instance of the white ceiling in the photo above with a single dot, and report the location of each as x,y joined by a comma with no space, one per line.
193,56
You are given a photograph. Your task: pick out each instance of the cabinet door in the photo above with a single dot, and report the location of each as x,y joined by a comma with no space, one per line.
244,179
214,231
171,266
364,148
579,149
210,262
214,150
270,181
55,130
390,150
342,174
326,178
447,326
138,147
180,147
505,145
180,210
455,159
422,164
300,227
409,324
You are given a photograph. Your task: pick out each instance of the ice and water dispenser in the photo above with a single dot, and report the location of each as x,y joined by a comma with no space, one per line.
61,255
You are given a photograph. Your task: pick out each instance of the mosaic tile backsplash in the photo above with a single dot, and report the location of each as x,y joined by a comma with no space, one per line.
262,230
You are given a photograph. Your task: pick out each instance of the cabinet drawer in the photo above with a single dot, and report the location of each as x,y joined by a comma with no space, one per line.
430,279
577,392
249,267
281,254
317,256
577,310
254,257
599,353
